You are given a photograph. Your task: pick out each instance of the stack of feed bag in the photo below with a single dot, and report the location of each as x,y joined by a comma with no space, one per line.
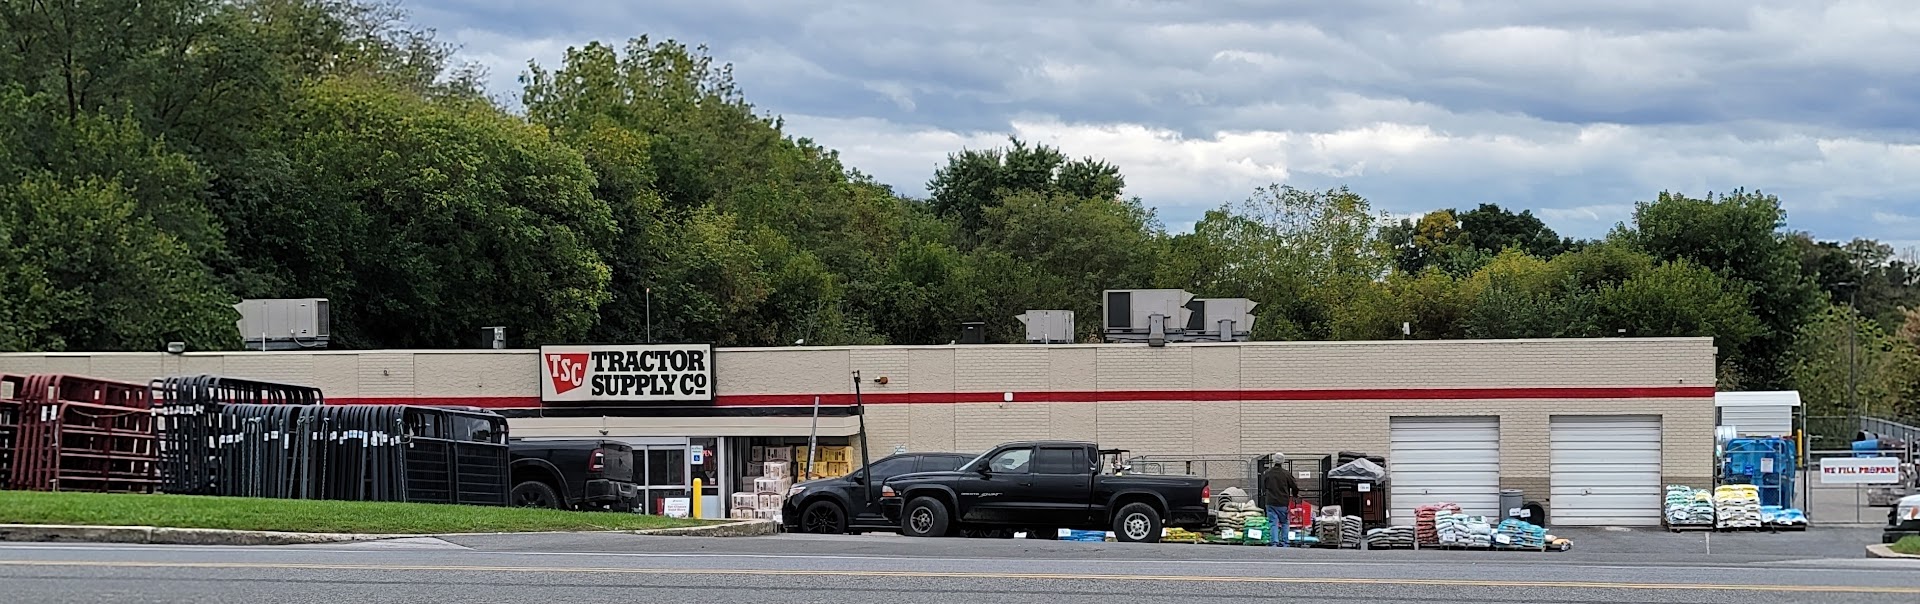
1352,530
1687,506
1773,515
1257,530
1736,506
1232,522
1326,527
1392,537
1423,516
1514,532
1462,530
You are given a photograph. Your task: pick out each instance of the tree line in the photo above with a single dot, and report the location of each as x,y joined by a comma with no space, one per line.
162,159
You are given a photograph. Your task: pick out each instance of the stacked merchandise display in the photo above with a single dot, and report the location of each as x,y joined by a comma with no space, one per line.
84,434
1083,536
1180,535
1423,521
1514,532
1736,506
1392,537
828,462
1257,530
1460,530
769,492
1327,528
1784,518
1352,530
1358,485
1233,520
1688,507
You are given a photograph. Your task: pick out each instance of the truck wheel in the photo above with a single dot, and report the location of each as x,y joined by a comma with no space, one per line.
535,494
1137,522
924,517
825,518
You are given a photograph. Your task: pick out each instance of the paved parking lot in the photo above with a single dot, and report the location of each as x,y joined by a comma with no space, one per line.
1625,546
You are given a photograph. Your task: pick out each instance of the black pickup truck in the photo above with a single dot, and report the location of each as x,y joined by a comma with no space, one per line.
573,474
1042,487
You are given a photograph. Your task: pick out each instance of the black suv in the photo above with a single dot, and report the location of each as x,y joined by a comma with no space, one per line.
851,503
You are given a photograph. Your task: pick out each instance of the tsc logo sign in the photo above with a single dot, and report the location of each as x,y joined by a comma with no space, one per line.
627,374
567,370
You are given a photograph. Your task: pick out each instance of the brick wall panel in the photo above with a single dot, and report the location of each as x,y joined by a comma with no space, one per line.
1074,421
1147,428
1145,368
1000,368
387,374
1072,369
933,427
932,369
285,367
485,374
875,363
989,424
778,371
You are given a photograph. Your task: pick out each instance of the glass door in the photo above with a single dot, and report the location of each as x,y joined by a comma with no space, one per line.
666,475
707,451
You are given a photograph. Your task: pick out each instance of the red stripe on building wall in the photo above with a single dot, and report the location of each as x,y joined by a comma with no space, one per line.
1092,396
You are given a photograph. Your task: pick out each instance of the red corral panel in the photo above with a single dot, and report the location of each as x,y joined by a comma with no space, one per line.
78,433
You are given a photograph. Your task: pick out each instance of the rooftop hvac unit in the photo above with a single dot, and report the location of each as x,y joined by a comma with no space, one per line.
284,323
973,332
1048,326
1220,319
1145,315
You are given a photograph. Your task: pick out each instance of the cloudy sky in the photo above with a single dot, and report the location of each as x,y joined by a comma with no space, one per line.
1572,108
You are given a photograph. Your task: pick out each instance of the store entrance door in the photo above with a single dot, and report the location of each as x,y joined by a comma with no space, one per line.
665,472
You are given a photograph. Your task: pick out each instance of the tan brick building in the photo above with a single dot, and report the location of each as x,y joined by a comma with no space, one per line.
1594,427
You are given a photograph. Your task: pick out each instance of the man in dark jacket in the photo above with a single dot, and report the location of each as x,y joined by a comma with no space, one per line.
1278,492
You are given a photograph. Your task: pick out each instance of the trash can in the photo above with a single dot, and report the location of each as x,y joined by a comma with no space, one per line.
1510,502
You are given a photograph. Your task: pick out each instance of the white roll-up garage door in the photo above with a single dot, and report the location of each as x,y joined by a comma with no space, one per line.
1444,459
1605,470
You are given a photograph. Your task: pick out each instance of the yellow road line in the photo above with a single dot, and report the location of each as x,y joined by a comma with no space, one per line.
983,575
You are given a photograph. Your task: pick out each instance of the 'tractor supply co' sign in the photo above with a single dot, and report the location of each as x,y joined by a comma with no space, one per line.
639,373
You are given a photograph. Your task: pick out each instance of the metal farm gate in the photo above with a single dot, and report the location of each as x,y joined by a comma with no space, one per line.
76,433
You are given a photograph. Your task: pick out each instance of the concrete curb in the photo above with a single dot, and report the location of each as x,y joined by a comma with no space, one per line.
1885,551
170,536
744,528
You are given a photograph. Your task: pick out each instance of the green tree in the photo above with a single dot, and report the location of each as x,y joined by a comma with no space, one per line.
1739,236
1490,228
423,220
974,181
82,269
1868,370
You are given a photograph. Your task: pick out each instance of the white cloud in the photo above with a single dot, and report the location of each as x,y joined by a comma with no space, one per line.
1574,108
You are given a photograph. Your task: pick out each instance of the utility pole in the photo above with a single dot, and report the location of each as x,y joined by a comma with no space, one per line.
649,315
1853,347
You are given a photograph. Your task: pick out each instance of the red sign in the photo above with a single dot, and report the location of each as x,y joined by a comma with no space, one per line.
568,371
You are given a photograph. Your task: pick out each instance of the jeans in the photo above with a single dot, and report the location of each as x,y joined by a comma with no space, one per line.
1277,529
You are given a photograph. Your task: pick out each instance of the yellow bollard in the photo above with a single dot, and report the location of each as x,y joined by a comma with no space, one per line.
694,507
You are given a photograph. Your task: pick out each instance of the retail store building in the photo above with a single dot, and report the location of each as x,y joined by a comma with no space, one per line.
1593,426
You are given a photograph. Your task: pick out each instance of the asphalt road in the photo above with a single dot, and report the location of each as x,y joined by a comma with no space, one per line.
626,568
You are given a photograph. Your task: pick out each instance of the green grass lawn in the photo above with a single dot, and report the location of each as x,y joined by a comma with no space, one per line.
1907,545
241,513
